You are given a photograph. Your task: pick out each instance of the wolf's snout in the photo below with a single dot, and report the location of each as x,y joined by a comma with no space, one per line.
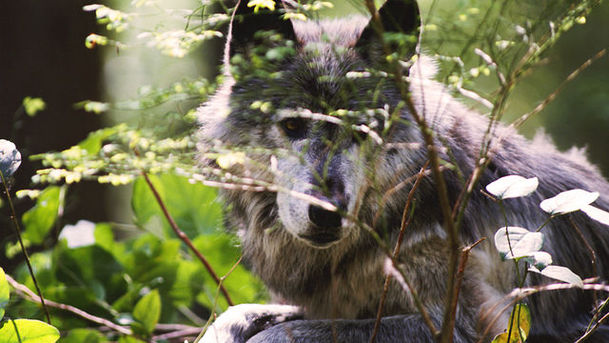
334,193
324,218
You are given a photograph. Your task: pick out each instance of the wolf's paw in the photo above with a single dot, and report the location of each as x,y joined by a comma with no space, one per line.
239,323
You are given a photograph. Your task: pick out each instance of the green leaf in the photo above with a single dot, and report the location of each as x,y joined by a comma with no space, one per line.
39,220
222,253
520,324
33,105
88,275
147,311
28,331
193,206
84,336
129,339
93,142
4,293
104,236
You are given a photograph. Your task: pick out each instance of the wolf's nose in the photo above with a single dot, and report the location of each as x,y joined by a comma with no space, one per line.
324,218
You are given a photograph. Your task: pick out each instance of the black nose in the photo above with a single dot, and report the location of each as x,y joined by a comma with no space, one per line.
324,218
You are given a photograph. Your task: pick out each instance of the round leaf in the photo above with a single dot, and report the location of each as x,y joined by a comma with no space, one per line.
4,293
559,273
569,201
40,219
147,311
10,158
516,242
512,186
539,259
28,331
596,214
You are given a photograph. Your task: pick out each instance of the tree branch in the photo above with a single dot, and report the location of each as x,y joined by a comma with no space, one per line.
27,293
185,238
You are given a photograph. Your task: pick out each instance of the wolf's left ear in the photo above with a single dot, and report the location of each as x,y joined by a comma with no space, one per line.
248,21
396,16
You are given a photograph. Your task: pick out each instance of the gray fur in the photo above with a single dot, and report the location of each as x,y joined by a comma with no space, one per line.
338,284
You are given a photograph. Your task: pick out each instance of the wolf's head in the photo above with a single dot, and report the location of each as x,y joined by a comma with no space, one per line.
311,108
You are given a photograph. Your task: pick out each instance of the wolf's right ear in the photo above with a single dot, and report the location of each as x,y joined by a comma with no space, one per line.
396,16
248,21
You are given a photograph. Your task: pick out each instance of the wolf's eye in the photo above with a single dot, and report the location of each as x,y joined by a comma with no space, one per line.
294,127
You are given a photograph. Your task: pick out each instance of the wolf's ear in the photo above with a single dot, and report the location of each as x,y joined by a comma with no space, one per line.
248,22
396,16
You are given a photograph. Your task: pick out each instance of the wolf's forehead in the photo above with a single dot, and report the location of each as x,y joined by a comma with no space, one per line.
343,32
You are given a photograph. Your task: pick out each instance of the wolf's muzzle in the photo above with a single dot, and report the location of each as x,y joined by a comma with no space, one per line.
323,218
326,226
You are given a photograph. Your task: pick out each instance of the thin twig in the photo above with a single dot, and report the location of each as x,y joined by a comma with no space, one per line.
24,291
212,316
593,257
406,220
517,123
175,334
438,177
185,238
459,278
592,329
23,249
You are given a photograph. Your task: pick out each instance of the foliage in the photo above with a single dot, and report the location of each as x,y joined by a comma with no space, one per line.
22,330
144,277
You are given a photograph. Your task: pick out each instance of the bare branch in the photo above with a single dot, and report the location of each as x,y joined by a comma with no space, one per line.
27,293
185,238
406,219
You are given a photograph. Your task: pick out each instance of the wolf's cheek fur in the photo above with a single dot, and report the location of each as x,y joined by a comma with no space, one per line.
292,176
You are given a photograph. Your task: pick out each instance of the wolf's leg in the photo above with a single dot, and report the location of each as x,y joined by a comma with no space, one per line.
405,328
239,323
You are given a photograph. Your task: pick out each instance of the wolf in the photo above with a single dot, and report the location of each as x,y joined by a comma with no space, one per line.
319,155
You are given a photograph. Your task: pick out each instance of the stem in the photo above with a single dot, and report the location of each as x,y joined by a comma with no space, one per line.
185,238
598,311
544,223
519,294
16,331
502,207
593,257
411,291
459,279
432,153
213,309
27,257
591,330
404,224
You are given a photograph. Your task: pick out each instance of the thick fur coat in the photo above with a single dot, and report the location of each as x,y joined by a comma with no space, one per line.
310,176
